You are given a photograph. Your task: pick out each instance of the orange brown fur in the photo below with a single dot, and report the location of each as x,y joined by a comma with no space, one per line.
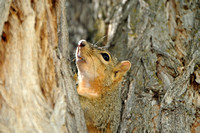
99,78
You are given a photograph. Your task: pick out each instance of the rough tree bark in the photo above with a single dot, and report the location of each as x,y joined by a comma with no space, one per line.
161,93
161,38
37,91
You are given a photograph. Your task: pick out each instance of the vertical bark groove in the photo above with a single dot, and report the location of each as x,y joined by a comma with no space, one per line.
37,91
160,38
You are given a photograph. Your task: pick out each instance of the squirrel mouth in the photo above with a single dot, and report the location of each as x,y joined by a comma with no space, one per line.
79,58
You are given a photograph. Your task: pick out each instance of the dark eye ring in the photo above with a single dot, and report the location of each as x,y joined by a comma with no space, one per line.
105,56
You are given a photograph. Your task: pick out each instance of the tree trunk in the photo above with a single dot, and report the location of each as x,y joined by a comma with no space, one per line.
37,91
161,93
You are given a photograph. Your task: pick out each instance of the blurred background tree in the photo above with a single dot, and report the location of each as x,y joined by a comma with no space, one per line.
37,91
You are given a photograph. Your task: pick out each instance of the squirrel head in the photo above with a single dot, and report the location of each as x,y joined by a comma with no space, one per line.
98,71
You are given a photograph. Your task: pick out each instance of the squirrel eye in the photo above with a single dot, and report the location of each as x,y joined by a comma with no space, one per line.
105,56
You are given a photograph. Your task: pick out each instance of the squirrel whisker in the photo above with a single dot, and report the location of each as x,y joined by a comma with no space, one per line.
100,39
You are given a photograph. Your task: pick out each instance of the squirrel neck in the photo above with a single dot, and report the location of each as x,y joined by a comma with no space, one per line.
90,88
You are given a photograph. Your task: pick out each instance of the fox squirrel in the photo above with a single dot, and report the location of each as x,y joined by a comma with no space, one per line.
99,77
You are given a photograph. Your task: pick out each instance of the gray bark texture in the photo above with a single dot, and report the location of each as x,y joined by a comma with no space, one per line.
161,38
160,94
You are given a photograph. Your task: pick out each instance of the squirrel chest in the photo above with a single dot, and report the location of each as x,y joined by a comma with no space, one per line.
99,78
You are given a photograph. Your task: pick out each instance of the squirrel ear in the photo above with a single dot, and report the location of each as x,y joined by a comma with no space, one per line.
124,66
121,68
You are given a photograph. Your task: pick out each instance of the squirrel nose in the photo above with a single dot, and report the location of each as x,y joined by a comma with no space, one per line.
81,43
